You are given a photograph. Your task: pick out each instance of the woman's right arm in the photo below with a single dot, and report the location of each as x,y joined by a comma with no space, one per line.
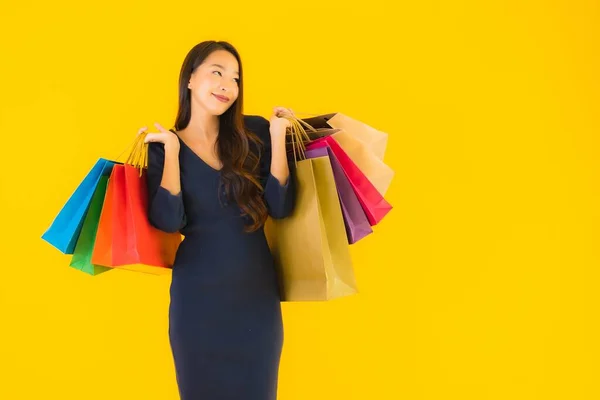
165,200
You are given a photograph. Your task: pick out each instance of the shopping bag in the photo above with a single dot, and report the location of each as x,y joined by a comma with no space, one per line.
356,221
82,255
376,171
66,227
310,247
374,140
151,248
310,134
318,133
102,251
376,207
125,238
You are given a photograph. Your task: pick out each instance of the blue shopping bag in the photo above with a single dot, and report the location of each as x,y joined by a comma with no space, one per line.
66,227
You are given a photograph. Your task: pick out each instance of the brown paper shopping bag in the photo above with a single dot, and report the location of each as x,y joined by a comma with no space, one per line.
310,247
364,144
374,140
376,171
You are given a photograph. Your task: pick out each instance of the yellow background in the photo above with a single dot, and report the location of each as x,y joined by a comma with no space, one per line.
481,284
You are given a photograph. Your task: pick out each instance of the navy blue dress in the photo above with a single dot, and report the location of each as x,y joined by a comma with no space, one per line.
225,322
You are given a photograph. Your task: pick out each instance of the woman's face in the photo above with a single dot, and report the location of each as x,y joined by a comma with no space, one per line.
214,83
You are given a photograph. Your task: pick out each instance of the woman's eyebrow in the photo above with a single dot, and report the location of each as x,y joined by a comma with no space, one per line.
222,67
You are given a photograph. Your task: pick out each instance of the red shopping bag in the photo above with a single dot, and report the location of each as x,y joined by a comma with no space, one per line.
372,202
125,238
102,251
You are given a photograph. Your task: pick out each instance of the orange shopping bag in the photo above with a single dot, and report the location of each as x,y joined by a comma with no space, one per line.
125,239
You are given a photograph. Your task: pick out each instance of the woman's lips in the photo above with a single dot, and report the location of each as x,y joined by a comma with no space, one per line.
221,98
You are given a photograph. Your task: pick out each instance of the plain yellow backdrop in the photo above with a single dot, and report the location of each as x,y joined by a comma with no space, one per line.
482,283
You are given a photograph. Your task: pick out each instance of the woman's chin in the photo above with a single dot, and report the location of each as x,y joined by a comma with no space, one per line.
214,108
218,109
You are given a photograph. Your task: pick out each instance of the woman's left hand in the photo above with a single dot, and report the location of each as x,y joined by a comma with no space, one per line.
279,124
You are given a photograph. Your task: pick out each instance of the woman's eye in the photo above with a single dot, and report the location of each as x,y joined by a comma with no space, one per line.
217,72
237,80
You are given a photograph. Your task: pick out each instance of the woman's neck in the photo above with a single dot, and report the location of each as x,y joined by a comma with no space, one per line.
203,127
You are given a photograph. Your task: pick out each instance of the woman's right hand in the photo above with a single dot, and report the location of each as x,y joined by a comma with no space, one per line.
164,136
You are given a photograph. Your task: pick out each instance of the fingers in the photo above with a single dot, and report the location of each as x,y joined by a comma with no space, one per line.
150,138
279,111
154,137
157,125
160,127
160,137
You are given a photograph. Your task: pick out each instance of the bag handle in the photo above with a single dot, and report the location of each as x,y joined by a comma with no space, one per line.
137,152
138,149
298,136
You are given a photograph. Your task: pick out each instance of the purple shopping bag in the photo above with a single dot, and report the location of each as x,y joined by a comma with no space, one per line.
355,219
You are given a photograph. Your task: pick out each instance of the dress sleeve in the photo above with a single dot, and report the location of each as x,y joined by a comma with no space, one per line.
165,210
279,198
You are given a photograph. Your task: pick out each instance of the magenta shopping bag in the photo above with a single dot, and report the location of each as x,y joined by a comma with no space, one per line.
355,219
373,203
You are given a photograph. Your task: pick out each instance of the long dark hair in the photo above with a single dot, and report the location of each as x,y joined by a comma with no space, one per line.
239,173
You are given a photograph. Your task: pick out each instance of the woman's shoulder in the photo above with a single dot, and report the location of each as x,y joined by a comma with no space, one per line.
158,148
258,125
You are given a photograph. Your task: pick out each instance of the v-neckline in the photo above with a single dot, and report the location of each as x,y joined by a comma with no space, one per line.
196,155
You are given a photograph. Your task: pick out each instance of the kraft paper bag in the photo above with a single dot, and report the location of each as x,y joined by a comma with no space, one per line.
378,173
374,140
310,247
355,219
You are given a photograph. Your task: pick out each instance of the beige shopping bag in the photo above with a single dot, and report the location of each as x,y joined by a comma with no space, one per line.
374,140
376,171
310,247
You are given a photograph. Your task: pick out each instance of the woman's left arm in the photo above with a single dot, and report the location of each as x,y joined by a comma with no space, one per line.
276,173
279,163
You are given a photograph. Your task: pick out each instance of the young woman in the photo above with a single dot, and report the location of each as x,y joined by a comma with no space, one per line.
215,177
